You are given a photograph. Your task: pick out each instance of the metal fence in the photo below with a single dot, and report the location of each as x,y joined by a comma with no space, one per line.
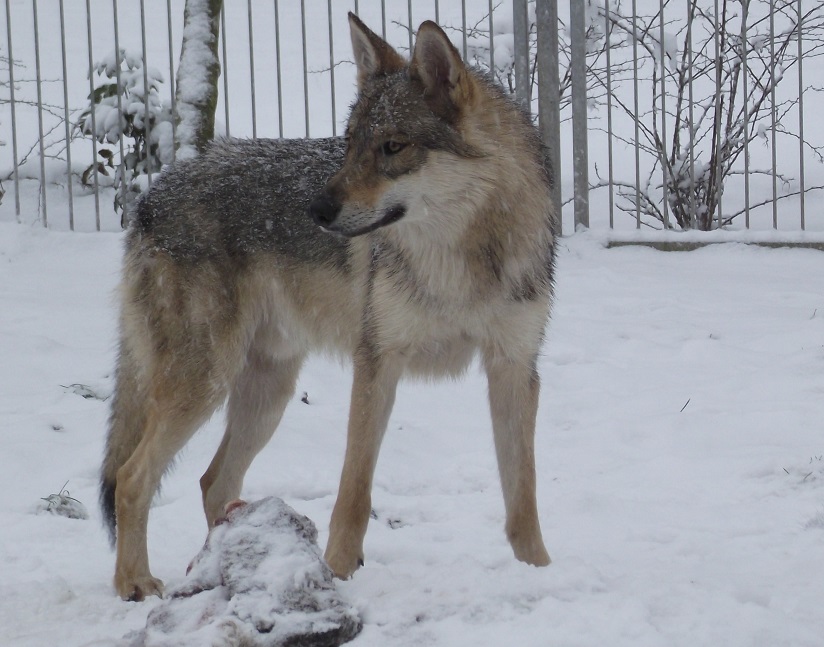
695,113
684,114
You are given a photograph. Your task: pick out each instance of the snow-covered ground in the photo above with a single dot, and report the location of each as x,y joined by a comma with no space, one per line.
680,456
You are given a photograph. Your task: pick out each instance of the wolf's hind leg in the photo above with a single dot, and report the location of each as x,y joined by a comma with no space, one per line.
256,404
175,413
513,399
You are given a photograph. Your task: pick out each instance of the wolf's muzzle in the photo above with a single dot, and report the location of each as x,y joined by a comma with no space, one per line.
324,209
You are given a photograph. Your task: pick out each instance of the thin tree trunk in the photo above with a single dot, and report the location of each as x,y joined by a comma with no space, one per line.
197,77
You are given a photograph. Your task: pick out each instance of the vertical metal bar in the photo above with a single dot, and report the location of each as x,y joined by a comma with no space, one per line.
383,19
13,105
332,72
66,117
147,118
773,67
549,100
409,24
172,77
437,12
521,37
664,157
491,40
277,66
745,6
305,65
463,27
357,11
93,115
40,114
117,62
578,65
225,66
611,180
691,113
252,68
637,116
717,144
802,186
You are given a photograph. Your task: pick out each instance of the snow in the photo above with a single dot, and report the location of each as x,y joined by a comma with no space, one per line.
681,478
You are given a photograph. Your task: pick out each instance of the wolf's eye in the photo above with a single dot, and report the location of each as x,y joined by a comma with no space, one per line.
393,147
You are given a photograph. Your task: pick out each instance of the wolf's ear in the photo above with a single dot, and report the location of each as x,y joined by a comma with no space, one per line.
438,66
373,55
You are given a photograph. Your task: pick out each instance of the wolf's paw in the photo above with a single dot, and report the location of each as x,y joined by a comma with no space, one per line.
136,589
532,553
539,558
343,565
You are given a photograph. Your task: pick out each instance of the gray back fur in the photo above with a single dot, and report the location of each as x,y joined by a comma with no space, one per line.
263,188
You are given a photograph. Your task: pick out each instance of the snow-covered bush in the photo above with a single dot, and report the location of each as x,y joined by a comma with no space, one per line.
708,62
717,78
126,107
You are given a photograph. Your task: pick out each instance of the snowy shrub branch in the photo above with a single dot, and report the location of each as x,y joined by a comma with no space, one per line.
126,107
711,119
53,147
695,122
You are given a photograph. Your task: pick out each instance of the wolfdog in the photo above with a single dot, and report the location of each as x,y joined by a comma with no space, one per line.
433,242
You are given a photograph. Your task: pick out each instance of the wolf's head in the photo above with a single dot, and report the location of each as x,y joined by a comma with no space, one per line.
408,135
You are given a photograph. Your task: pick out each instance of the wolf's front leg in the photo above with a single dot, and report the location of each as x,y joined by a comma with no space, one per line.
373,394
513,399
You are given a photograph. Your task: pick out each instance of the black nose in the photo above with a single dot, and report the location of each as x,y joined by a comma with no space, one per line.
324,209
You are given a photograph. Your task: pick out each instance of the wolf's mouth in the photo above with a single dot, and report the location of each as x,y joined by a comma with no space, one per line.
393,214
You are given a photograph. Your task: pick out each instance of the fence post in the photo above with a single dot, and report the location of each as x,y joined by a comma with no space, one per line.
549,99
578,63
40,141
12,105
521,36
